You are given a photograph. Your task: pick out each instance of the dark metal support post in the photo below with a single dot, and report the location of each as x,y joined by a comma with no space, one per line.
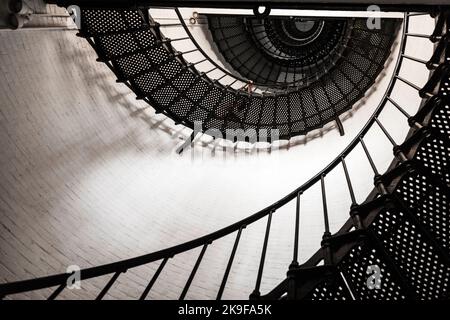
403,111
385,5
296,235
377,180
328,257
412,85
256,294
57,291
397,150
354,212
386,133
407,115
324,203
340,126
369,157
187,143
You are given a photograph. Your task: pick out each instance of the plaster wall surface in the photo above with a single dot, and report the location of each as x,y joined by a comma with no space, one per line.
89,175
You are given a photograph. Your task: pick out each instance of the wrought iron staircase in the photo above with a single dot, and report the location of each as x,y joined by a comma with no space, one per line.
403,226
135,48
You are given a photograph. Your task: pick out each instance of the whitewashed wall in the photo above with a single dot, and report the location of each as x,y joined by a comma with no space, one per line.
89,175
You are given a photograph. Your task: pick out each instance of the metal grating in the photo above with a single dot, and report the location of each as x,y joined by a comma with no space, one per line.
355,266
419,261
142,56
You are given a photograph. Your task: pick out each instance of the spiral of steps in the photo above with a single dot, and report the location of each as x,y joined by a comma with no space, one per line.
295,52
403,227
133,44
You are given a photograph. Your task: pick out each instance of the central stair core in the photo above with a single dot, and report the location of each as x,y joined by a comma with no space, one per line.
282,62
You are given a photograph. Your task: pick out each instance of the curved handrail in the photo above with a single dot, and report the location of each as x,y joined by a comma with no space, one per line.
124,265
276,85
199,48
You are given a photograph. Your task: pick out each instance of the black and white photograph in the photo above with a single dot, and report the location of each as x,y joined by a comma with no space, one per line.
223,158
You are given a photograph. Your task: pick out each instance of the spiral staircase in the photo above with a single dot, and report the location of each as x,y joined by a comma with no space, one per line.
403,226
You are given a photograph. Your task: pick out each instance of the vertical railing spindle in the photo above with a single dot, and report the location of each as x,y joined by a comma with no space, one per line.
386,133
398,107
230,263
349,182
354,212
153,280
377,180
194,271
369,157
397,150
256,292
57,291
403,111
108,285
324,203
296,233
326,235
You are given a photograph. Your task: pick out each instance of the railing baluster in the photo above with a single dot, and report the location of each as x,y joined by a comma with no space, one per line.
412,85
218,79
57,291
372,164
397,150
153,280
406,114
229,85
256,293
198,62
190,51
349,182
324,203
328,255
194,271
414,59
409,83
177,39
386,133
170,25
418,14
297,229
398,107
211,70
108,285
347,286
416,35
230,263
189,142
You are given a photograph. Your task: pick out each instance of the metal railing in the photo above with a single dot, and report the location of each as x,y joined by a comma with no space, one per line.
117,268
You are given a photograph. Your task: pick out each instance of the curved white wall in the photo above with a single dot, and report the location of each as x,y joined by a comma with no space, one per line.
89,175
